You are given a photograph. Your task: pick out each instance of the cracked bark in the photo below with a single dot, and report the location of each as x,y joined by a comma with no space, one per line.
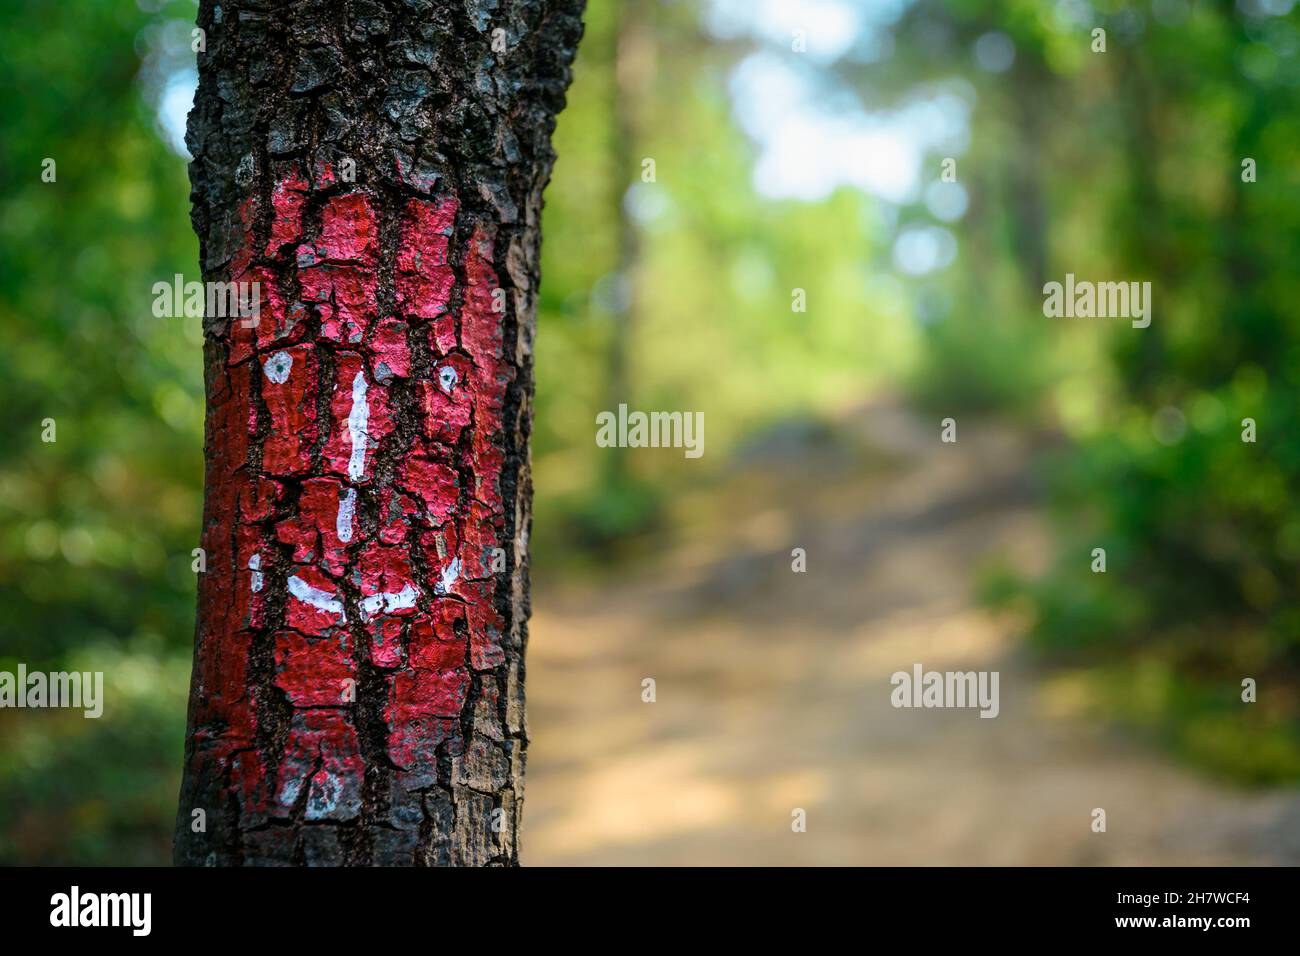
376,167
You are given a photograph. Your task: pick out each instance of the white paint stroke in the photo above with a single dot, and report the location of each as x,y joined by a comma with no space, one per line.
347,508
320,600
254,564
387,602
358,427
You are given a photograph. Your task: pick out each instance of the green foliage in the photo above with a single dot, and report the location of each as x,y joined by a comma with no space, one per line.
77,791
96,527
1128,166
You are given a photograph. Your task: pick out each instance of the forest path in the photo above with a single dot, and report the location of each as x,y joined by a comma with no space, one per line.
773,687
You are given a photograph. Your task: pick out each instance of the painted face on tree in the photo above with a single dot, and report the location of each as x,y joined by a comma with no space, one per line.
359,644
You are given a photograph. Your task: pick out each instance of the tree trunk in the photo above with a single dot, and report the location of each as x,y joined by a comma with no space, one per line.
376,167
631,63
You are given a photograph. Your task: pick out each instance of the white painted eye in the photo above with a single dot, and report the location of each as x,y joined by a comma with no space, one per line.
277,367
447,378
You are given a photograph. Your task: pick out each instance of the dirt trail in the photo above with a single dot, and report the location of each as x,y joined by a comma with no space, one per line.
773,687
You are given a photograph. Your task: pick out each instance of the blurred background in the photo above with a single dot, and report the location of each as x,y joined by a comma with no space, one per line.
798,145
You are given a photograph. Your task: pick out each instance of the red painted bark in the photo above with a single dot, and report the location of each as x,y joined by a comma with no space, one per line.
357,689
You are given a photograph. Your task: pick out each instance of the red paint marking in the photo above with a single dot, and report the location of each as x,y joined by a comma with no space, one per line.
395,513
313,531
389,350
434,644
445,411
349,231
292,407
287,199
424,275
386,643
313,673
424,640
436,485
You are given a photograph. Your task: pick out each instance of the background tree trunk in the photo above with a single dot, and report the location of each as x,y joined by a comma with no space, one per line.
377,167
632,57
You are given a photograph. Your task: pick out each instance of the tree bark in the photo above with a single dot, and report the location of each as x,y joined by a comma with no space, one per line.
376,167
